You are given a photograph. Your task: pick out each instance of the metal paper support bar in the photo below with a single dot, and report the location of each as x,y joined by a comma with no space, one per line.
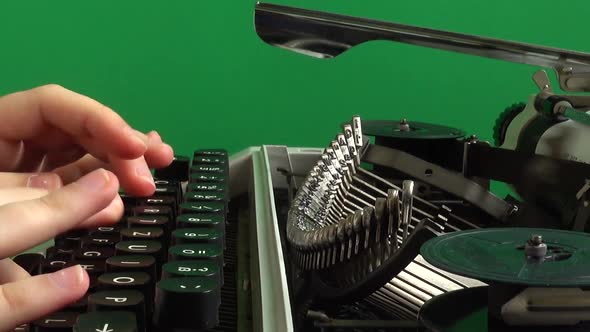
326,35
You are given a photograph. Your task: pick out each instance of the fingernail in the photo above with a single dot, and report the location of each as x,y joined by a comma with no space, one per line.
49,181
155,137
94,181
68,278
143,171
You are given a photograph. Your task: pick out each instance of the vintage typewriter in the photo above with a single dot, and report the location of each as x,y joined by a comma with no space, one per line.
390,227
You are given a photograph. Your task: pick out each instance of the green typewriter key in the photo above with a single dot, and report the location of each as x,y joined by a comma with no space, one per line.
221,153
204,196
187,303
207,177
202,207
113,321
192,268
197,235
206,187
197,251
200,168
211,220
210,160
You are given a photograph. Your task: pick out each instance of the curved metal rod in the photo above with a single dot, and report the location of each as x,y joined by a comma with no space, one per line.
327,35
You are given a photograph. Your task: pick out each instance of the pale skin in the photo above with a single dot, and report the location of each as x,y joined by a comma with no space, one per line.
63,157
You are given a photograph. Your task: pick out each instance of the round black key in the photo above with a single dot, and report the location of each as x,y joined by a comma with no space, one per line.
192,268
166,182
201,207
197,235
94,253
58,253
140,281
107,321
190,303
79,306
124,280
120,300
199,177
56,322
152,210
177,170
169,201
105,230
204,196
128,211
142,233
206,187
128,200
30,262
152,248
133,263
156,221
211,220
158,200
100,240
95,267
22,328
54,264
146,247
196,251
161,222
172,190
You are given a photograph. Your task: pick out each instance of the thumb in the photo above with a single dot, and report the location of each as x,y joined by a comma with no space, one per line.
29,299
25,224
47,181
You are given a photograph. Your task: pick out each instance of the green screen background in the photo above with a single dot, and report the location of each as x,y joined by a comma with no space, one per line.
197,72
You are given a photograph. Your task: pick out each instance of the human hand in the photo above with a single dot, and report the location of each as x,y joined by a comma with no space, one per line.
84,151
51,128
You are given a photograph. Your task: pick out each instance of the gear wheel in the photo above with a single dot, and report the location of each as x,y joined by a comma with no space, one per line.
504,120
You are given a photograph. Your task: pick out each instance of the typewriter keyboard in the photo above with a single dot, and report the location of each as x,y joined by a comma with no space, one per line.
168,265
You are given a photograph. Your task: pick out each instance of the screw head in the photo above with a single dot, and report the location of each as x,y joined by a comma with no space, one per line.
404,125
536,239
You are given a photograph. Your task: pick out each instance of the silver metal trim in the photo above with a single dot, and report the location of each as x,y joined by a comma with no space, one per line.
327,35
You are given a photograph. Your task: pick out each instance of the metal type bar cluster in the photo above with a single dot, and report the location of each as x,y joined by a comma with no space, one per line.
348,223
